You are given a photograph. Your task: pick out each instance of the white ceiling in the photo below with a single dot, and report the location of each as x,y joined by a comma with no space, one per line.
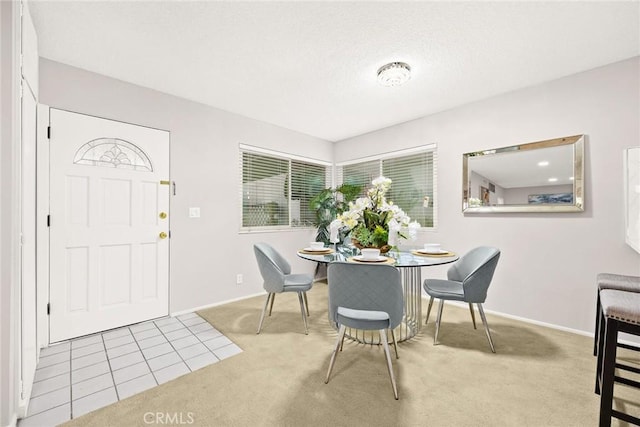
311,66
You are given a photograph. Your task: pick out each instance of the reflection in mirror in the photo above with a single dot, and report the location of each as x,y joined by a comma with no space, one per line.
544,176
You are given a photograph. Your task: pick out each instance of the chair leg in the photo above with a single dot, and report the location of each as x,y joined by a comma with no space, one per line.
600,342
426,320
486,327
264,310
306,303
341,332
435,337
608,371
387,353
473,315
597,328
304,314
273,298
395,343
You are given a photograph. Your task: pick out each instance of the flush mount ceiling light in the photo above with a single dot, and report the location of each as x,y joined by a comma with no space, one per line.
394,74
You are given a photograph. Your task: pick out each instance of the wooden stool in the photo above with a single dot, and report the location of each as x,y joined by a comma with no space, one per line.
620,313
612,281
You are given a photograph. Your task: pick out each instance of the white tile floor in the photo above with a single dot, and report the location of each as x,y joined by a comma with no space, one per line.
87,373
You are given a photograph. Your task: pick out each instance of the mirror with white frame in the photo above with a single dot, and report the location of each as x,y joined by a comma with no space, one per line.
543,176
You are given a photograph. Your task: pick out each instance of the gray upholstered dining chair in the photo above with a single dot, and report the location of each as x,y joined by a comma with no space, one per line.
468,281
365,297
277,277
619,282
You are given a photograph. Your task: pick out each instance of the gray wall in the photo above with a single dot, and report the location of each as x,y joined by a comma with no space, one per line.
549,262
529,283
206,252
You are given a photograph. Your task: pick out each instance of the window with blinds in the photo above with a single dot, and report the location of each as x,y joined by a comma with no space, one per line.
276,189
413,176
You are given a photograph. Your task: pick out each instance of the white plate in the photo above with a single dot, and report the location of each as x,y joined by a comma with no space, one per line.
438,252
380,258
316,250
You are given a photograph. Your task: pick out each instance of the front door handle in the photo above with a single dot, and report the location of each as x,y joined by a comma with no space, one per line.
163,235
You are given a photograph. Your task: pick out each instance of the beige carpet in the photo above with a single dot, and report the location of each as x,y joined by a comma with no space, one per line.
539,376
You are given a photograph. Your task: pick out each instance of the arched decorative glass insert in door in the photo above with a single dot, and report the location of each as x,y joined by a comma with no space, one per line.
114,153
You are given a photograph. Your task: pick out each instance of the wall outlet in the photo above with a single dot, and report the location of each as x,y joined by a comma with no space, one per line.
239,279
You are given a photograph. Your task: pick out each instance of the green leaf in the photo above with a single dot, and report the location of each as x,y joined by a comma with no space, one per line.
380,236
349,191
371,219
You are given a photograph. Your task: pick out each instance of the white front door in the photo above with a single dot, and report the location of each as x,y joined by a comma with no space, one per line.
109,223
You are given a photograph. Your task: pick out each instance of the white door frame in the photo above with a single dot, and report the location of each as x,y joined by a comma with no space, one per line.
42,229
29,345
28,327
43,211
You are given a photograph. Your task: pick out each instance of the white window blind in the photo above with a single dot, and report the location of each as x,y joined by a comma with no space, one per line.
413,175
412,185
360,173
307,180
276,189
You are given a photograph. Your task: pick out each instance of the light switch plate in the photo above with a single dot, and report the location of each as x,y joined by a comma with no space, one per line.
194,212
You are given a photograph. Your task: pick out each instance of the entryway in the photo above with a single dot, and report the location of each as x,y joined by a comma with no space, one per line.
108,224
78,376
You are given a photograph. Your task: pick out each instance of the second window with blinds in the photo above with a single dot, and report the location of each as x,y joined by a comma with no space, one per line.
413,176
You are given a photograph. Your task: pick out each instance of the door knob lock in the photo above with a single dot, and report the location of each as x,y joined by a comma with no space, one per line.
162,215
163,235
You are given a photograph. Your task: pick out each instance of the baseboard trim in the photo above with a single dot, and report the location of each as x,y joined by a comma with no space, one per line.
215,304
13,422
544,324
454,303
526,320
539,323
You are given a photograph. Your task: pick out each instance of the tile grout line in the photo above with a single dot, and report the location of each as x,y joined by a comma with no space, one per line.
50,378
135,378
104,340
70,383
91,364
80,339
46,410
110,370
51,366
144,357
198,338
90,378
221,335
174,349
88,354
50,391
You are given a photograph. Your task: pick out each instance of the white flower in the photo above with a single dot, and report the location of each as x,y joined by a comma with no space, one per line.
361,204
381,182
398,220
413,230
394,230
334,227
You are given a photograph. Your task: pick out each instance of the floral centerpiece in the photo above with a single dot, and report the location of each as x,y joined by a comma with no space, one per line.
373,221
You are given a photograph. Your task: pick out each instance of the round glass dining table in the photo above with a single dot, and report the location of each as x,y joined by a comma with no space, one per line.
410,264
